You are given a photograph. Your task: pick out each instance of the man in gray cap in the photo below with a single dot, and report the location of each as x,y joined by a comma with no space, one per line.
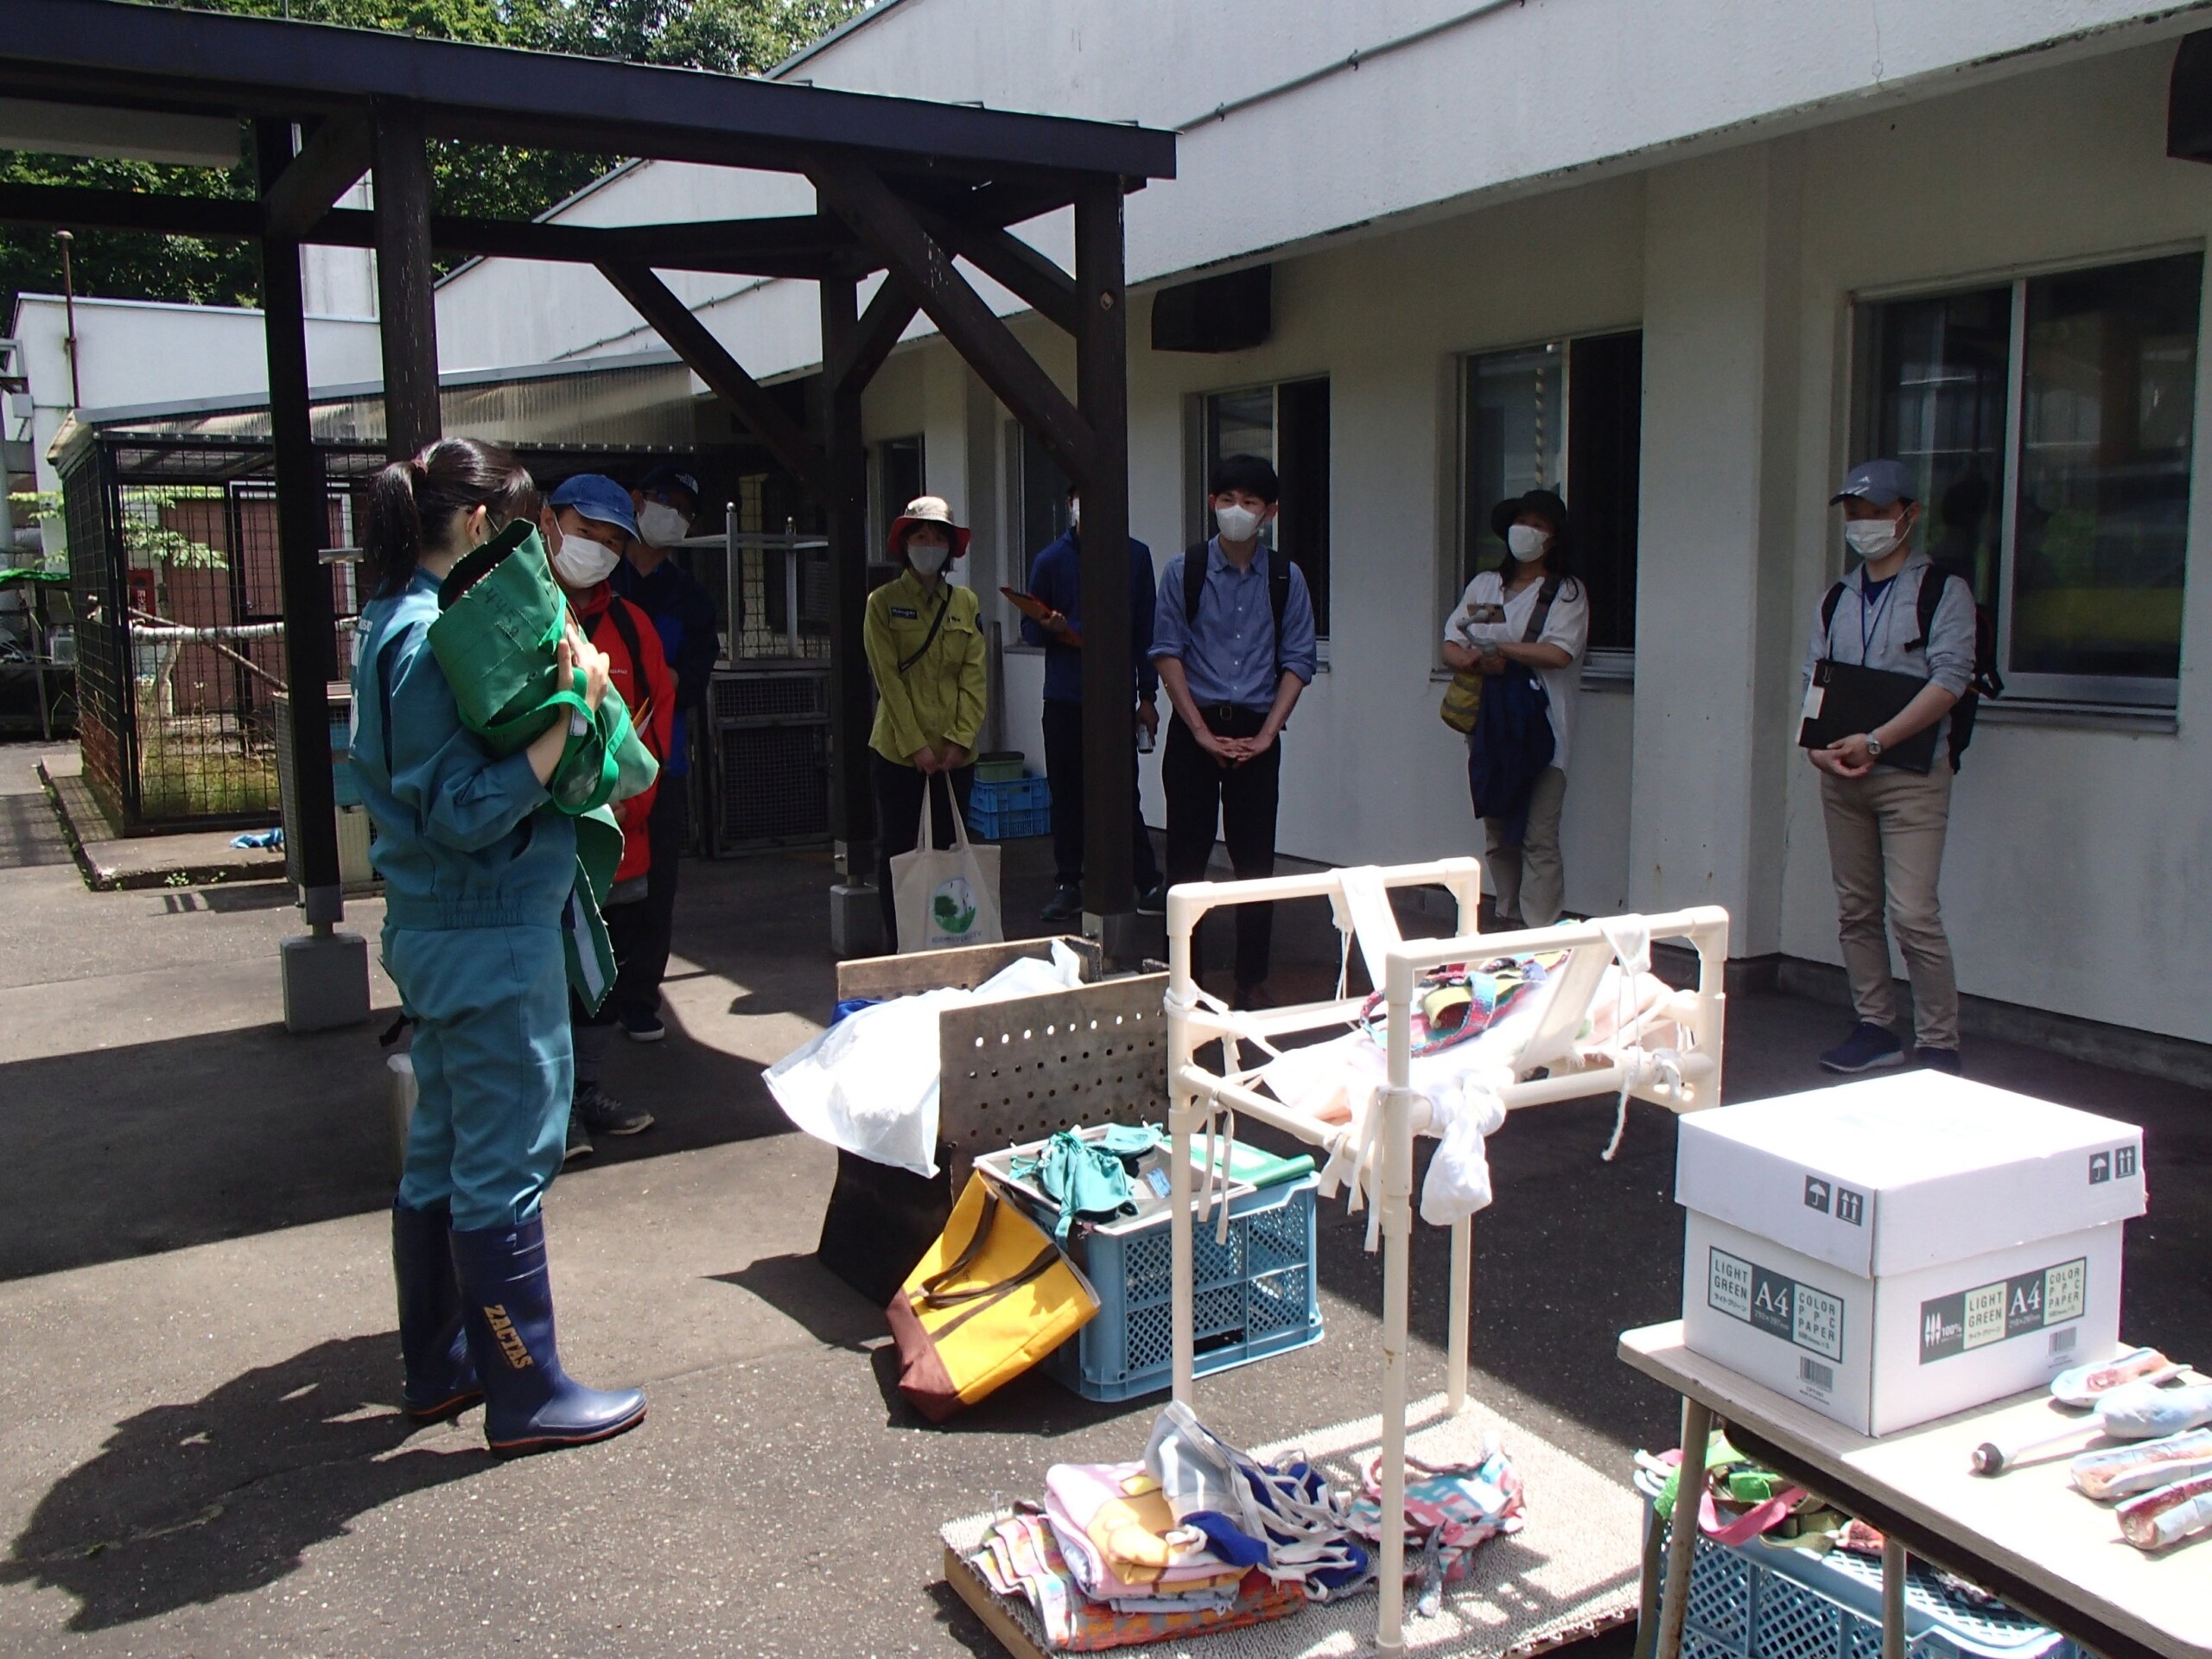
1885,821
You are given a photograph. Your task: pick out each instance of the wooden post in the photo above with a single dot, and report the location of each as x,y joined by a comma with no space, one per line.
404,282
844,469
302,526
1108,728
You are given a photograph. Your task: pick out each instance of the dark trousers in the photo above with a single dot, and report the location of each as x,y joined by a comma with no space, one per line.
1064,767
899,817
1200,792
641,946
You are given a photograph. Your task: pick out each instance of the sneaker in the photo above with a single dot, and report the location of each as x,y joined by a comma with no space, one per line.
1252,998
1066,906
646,1027
579,1142
604,1115
1153,901
1938,1059
1868,1047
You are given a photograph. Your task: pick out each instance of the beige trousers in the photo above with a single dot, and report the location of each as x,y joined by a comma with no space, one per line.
1886,849
1531,881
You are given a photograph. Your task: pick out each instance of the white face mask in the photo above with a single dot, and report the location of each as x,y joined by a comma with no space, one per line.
1075,515
661,524
1526,542
1872,538
928,557
582,563
1237,524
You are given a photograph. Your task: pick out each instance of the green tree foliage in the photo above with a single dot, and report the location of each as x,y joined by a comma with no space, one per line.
728,37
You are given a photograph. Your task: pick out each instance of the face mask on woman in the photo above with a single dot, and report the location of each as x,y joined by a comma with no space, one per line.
582,563
1872,538
661,524
927,557
1527,543
1237,524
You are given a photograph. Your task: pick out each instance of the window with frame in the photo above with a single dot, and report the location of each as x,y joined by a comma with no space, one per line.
2050,423
897,480
1563,414
1036,501
1287,425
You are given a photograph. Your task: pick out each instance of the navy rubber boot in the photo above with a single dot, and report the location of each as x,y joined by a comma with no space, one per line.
529,1404
440,1377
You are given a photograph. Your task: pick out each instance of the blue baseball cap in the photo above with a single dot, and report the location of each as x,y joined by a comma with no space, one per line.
598,497
1884,483
665,479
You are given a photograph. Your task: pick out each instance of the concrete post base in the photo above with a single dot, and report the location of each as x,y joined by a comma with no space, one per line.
855,921
326,980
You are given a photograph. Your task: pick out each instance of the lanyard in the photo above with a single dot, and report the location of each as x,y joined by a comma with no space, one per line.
1869,622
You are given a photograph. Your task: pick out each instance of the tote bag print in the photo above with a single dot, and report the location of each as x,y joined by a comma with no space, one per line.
945,896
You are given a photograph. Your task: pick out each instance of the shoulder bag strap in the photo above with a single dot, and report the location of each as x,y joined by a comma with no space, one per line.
944,603
1542,614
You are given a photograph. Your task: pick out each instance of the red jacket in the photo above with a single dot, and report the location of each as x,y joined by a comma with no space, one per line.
649,688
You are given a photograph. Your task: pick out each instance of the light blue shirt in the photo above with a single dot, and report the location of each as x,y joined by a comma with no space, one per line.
1228,650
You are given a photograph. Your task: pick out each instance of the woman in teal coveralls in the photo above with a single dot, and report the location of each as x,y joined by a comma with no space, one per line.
477,867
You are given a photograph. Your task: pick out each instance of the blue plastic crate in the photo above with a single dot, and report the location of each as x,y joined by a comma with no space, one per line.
1252,1297
1010,809
1756,1601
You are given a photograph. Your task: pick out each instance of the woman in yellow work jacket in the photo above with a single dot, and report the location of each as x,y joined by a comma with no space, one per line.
925,650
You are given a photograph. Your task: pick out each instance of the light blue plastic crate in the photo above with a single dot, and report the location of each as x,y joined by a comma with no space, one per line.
1252,1297
1010,809
1755,1601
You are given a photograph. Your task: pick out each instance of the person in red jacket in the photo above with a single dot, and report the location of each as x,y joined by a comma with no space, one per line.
589,525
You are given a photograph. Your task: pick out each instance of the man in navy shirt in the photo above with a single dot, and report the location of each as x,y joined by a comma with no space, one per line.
665,501
1056,579
1232,675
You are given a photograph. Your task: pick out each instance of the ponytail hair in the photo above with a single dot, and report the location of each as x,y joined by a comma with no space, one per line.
413,504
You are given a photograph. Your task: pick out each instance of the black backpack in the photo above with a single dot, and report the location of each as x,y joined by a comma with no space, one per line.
1194,583
1986,682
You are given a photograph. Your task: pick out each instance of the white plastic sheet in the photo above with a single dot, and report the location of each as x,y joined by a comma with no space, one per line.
869,1083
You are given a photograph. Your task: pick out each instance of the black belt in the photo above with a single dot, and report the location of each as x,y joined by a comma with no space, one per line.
1213,711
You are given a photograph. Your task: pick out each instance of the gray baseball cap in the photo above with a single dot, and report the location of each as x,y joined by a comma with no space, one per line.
1882,482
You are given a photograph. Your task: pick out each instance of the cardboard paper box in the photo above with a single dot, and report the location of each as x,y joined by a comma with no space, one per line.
1894,1250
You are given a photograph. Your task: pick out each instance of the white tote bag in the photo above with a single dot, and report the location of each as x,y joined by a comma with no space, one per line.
949,896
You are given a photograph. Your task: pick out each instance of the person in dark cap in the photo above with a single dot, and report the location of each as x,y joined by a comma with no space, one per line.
1527,610
665,502
1886,822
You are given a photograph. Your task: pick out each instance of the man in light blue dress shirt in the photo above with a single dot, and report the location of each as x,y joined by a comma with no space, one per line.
1233,665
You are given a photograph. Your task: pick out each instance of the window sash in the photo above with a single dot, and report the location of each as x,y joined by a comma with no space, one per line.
2028,686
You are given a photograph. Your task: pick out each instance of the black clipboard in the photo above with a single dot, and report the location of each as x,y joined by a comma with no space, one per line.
1844,699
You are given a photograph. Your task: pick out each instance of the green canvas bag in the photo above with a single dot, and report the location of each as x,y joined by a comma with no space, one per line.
501,616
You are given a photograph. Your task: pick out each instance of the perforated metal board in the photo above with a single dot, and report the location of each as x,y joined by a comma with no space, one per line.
1020,1071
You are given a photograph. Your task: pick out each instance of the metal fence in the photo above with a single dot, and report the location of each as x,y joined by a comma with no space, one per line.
174,579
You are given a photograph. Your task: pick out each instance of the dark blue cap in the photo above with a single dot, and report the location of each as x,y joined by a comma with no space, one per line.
597,496
665,479
1884,483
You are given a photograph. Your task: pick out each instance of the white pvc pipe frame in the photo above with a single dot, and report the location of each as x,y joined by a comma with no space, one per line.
1195,1094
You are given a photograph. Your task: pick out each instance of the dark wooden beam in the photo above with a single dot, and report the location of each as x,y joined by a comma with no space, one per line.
333,159
892,232
407,305
844,504
875,336
796,245
302,524
691,340
1013,264
1102,371
98,52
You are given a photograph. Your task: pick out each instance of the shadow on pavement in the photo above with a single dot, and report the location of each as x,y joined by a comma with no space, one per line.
189,1503
811,1297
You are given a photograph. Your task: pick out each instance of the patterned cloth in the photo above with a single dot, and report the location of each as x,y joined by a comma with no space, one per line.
1121,1540
1020,1559
1460,1505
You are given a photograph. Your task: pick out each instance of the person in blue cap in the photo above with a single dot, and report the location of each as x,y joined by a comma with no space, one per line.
478,865
1886,824
588,526
665,501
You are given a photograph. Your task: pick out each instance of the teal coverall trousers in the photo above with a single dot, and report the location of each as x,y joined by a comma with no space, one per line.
493,1068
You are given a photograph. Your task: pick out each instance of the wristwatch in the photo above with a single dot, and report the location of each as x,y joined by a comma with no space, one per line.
1873,747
